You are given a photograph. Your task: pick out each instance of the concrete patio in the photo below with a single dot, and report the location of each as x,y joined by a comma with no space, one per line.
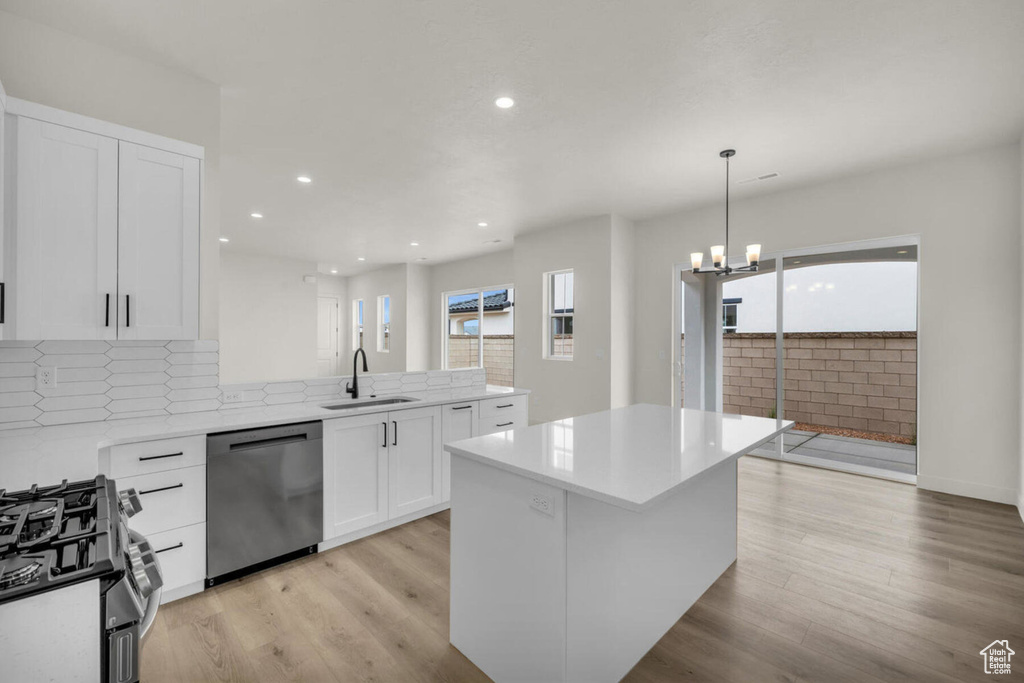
846,453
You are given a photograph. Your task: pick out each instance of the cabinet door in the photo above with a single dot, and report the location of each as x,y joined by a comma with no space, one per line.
355,473
458,422
414,460
65,279
158,244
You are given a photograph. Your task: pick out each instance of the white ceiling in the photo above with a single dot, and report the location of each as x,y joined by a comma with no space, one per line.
621,105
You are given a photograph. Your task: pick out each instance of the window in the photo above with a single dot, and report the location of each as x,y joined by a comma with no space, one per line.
730,308
479,326
560,308
357,324
384,323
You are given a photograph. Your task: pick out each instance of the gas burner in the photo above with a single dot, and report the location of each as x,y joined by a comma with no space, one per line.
36,509
18,573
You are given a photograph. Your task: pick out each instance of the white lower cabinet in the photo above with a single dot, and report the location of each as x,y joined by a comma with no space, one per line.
458,421
355,474
414,460
380,467
182,556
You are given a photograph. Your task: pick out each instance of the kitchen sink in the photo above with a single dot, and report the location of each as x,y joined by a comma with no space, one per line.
352,405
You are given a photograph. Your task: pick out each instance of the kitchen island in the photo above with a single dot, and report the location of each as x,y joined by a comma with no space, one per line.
576,544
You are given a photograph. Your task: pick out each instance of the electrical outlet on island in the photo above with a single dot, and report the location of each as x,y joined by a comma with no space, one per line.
46,377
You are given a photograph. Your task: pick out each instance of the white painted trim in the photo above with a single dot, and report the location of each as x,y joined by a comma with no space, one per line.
42,112
1020,505
3,97
382,526
969,489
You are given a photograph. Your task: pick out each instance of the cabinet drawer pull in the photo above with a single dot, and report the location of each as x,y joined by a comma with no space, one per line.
163,488
173,547
504,424
158,457
395,442
508,405
462,407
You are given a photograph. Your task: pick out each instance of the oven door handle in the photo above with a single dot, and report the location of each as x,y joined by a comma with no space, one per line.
153,601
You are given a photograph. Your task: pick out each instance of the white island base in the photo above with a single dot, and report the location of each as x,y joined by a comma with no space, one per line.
581,594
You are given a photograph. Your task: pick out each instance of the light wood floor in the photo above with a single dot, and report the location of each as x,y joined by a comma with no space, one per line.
839,578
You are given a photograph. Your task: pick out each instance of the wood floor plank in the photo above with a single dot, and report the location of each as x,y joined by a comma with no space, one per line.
838,578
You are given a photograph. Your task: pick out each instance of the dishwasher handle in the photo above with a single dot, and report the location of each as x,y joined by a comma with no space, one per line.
264,443
247,439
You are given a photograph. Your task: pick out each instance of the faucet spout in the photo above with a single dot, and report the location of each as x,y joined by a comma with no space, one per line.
353,388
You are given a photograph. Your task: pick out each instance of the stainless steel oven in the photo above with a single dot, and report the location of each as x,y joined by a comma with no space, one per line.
264,494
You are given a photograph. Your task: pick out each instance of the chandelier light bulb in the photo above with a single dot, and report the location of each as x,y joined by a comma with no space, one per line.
753,254
696,259
718,255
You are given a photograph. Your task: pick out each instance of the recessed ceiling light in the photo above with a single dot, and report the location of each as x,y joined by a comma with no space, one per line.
481,225
334,271
414,244
504,102
224,239
256,215
361,258
304,179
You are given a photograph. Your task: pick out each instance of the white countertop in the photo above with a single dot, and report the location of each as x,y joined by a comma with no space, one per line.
630,457
46,455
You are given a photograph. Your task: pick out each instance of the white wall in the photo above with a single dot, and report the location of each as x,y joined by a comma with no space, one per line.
268,319
623,319
491,270
43,65
392,281
1020,464
839,297
970,322
418,311
583,385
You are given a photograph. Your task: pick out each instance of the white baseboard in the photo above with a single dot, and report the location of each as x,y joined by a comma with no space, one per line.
1020,504
996,494
383,526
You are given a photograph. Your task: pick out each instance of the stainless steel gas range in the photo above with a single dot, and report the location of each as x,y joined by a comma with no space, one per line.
78,589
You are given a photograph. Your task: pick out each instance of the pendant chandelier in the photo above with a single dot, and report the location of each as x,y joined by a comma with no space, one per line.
720,252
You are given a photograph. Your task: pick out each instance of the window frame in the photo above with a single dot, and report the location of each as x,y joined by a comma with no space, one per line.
358,324
446,320
550,315
384,327
733,303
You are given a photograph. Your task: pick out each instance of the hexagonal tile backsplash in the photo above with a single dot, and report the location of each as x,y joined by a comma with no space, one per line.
99,380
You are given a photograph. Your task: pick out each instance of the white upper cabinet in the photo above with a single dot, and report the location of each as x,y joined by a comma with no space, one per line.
158,244
64,273
102,230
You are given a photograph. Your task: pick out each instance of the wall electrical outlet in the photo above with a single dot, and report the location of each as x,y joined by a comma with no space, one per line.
46,377
539,501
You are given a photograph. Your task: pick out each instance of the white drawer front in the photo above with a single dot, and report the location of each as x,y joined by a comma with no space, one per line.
510,419
500,407
169,500
132,459
182,555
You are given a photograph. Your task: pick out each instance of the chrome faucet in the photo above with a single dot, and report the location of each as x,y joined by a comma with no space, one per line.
354,387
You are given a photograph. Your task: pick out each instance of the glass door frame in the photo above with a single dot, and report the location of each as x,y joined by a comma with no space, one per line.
707,372
480,317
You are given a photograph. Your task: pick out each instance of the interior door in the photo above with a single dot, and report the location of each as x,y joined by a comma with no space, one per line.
355,473
414,460
158,244
66,241
326,336
458,421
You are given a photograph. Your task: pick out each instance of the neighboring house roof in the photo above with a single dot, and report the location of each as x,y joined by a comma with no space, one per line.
494,302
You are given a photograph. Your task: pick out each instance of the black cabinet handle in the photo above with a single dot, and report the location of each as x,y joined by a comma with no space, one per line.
385,444
127,310
162,488
505,424
3,302
144,458
173,547
508,405
395,442
106,313
462,407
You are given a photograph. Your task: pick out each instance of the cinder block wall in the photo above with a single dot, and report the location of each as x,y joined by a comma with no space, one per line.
499,355
865,381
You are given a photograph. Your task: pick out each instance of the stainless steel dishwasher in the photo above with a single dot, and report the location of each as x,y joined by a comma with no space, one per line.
264,498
